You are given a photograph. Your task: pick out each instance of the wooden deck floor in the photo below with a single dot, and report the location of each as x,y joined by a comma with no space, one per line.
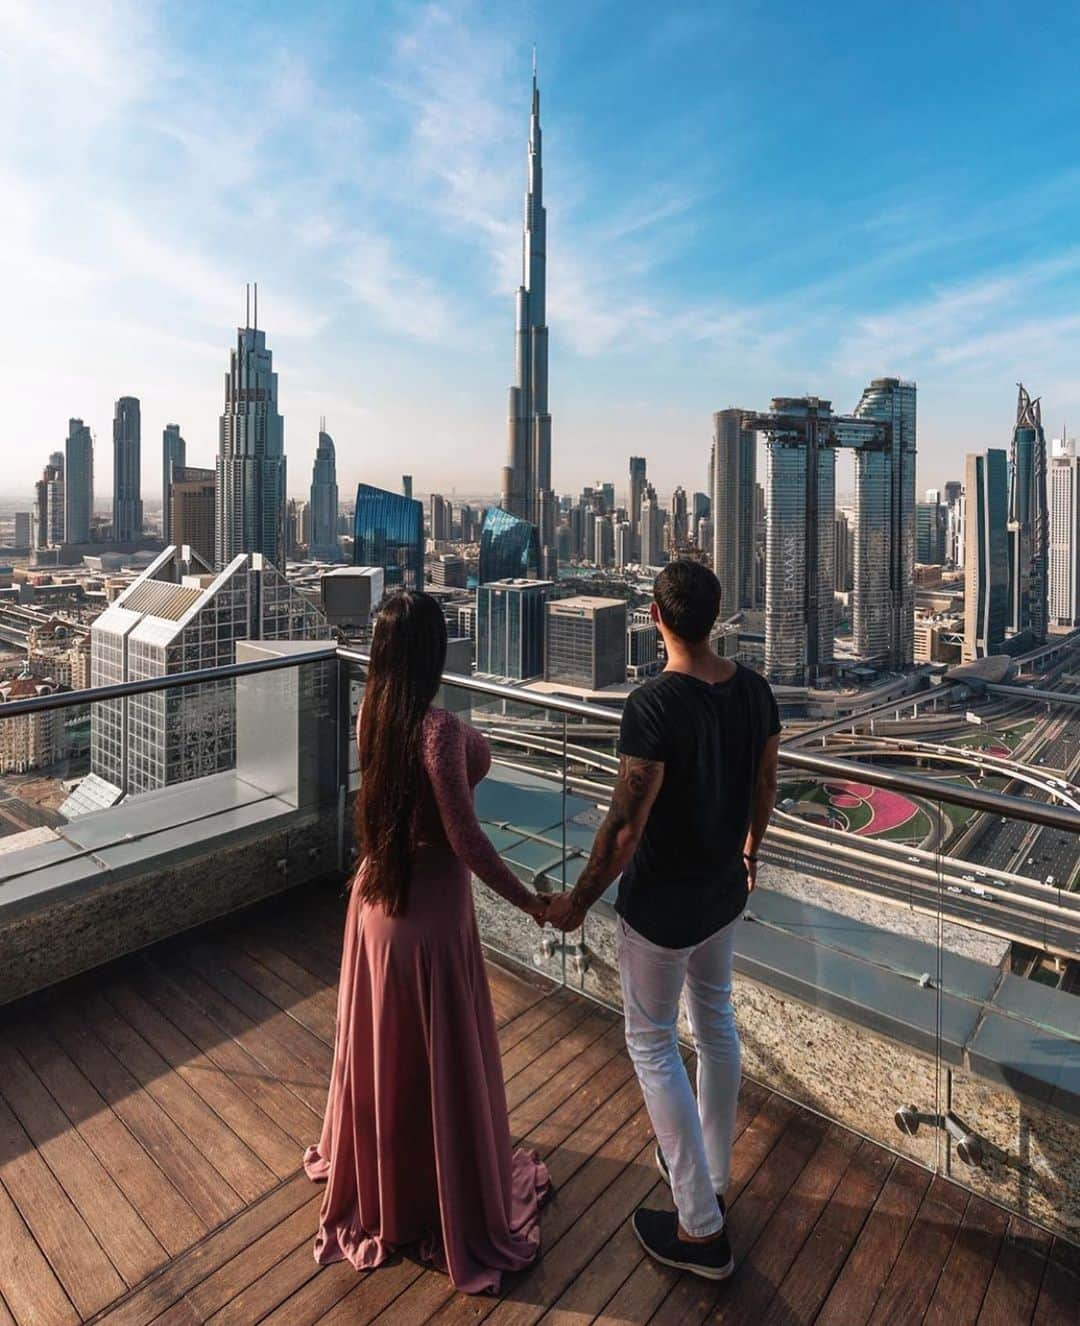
153,1114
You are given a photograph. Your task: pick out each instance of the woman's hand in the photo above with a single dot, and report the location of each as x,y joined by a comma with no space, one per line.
536,907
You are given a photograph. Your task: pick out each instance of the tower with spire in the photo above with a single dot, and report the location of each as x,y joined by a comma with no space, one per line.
1029,521
250,475
526,477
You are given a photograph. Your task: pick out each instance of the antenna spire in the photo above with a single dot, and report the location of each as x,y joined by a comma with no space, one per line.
256,327
247,304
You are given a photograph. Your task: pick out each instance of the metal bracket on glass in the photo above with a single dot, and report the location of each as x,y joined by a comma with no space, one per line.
547,947
578,955
969,1145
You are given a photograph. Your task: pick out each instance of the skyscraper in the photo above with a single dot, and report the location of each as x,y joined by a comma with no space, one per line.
388,532
652,529
734,473
49,504
930,531
176,617
324,546
679,533
510,628
800,541
1065,534
586,642
1028,522
251,453
509,548
986,555
526,478
191,515
440,517
78,480
173,456
127,521
883,607
638,468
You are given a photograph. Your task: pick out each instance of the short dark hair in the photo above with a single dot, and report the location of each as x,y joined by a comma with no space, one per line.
688,596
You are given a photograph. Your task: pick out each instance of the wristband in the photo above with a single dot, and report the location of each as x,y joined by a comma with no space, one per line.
747,857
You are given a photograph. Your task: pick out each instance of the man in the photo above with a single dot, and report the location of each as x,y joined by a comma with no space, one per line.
696,785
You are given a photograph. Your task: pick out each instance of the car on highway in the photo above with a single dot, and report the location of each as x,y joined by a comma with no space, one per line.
969,878
951,888
914,861
978,890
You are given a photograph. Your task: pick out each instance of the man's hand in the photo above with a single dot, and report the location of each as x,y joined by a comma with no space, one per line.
564,913
751,873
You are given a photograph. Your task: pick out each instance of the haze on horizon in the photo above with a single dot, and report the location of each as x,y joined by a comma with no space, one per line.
741,204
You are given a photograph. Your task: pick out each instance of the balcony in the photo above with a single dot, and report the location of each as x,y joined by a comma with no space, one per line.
169,967
155,1111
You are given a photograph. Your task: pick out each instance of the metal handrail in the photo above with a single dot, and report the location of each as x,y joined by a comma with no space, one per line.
122,689
994,803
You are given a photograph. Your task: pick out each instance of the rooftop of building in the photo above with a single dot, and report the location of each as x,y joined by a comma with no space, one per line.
155,1113
583,602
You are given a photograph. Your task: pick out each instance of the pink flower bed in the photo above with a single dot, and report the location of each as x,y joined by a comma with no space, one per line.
888,810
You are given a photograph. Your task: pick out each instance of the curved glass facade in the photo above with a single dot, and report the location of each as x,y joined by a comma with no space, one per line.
389,532
509,548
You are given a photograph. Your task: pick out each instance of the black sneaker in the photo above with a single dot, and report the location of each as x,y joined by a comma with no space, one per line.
658,1234
665,1174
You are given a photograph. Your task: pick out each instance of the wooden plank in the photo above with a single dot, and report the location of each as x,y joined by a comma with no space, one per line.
89,1278
209,1196
562,1085
549,1062
274,1286
171,1218
967,1270
527,1022
598,1281
911,1284
772,1254
614,1076
220,1288
315,1299
118,1227
274,1148
807,1283
518,1058
315,1011
1060,1290
31,1290
302,1045
375,1294
212,1253
297,1120
858,1286
229,1155
1013,1291
309,1084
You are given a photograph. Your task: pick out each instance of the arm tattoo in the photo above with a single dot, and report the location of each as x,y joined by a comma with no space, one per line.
635,790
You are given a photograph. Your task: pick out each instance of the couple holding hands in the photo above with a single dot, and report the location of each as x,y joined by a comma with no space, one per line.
415,1147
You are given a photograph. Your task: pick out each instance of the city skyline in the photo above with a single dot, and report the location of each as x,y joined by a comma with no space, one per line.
651,338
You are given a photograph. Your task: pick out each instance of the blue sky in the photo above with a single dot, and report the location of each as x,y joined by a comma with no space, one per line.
744,200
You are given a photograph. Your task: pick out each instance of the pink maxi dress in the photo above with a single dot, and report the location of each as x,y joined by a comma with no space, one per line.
415,1147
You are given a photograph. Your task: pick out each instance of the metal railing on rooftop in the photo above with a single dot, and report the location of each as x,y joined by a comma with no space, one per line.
1040,813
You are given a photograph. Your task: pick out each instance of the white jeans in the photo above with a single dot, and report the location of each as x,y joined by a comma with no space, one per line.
695,1136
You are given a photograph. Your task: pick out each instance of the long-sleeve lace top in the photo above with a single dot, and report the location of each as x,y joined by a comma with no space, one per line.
456,758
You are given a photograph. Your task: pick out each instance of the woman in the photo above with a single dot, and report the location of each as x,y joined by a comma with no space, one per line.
415,1146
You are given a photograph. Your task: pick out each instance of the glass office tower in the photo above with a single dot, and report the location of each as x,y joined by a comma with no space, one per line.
1029,522
510,629
389,532
986,556
883,604
509,548
734,472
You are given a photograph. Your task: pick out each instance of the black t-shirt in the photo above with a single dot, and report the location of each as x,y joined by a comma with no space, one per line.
687,878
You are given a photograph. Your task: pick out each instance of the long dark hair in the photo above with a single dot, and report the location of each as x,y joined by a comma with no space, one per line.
408,653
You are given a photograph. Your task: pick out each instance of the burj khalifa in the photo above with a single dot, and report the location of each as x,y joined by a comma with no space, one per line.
526,479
